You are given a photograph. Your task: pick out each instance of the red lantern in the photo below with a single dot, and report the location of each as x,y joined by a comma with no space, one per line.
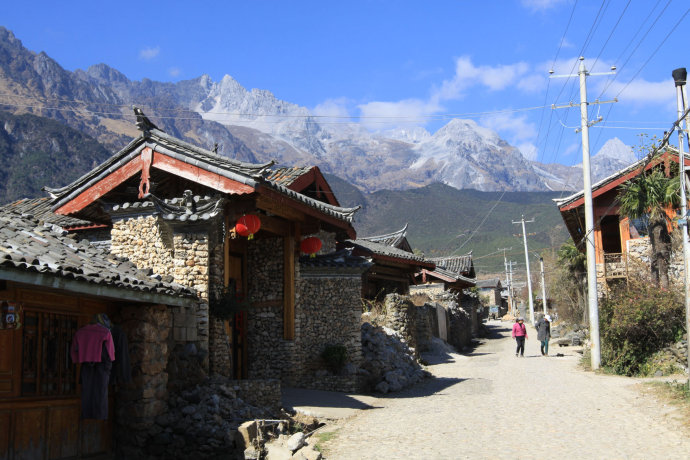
310,246
247,225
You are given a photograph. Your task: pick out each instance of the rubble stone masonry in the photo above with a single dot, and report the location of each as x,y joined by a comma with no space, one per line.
151,243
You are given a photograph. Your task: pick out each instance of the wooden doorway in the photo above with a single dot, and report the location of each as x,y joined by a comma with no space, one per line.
236,327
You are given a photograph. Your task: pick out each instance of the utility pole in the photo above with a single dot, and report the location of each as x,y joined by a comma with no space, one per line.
680,77
505,265
529,278
511,299
543,285
592,296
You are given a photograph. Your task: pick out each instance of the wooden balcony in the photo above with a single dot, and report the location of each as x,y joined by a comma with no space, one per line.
615,266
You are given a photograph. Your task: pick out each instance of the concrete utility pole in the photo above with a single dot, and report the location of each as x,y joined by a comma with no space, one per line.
505,266
589,211
511,299
543,285
529,278
680,77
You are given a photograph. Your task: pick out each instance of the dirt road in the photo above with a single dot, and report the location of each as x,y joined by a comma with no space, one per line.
490,404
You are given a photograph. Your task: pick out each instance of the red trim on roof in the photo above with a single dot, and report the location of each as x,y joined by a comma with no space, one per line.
101,187
403,260
618,181
315,176
85,227
199,175
306,209
438,275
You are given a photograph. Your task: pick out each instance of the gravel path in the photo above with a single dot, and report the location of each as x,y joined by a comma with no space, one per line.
490,404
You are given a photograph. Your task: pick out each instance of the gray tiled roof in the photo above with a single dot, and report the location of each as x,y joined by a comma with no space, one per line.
390,239
488,283
40,208
30,247
287,176
337,259
253,175
460,265
344,214
389,251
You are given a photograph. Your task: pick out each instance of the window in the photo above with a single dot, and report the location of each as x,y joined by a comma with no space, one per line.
46,366
639,227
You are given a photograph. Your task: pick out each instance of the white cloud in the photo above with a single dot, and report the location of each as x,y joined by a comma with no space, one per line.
515,129
643,92
384,115
467,75
336,108
528,150
174,71
149,53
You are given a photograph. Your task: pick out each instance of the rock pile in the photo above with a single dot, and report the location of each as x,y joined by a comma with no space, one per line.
201,422
389,364
672,359
279,439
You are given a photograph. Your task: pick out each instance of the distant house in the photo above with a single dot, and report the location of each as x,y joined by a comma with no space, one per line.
491,294
617,239
394,263
455,272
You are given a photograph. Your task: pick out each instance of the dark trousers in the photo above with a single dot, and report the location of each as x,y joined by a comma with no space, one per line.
520,345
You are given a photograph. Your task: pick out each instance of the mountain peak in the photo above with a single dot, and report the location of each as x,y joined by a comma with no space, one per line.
615,149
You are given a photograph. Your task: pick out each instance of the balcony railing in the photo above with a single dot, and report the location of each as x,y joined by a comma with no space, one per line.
615,265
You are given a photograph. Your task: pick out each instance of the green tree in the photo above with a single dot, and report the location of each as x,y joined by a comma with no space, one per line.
650,195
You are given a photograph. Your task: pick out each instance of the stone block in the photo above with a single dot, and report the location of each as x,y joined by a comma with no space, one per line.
247,434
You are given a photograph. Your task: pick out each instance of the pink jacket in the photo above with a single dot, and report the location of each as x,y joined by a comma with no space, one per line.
519,330
88,343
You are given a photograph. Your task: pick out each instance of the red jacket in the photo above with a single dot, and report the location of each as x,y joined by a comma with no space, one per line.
88,343
519,330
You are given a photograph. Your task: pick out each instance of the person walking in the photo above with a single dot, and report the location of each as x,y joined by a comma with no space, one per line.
520,334
544,334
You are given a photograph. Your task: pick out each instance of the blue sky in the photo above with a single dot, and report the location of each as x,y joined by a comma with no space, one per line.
397,63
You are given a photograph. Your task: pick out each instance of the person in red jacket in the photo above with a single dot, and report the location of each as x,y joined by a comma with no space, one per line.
520,334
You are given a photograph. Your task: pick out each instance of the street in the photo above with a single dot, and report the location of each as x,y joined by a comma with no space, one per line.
491,404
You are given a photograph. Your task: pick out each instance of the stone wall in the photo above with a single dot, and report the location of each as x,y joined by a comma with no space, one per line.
401,316
269,355
138,404
150,243
460,309
220,357
328,313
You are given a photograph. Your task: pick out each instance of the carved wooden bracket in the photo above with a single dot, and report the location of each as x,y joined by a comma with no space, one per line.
146,159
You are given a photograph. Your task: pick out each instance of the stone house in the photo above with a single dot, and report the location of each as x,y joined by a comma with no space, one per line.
259,312
620,243
491,294
51,284
394,263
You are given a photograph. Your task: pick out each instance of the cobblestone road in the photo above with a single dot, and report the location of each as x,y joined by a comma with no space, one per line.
490,404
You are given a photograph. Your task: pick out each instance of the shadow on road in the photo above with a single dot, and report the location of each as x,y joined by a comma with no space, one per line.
426,388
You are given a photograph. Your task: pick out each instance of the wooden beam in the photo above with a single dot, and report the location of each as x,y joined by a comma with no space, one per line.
101,187
275,225
279,209
289,286
199,175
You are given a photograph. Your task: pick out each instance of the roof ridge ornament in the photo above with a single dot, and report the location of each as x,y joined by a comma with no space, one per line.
143,123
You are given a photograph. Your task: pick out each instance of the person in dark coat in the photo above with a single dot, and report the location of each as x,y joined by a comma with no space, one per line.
544,334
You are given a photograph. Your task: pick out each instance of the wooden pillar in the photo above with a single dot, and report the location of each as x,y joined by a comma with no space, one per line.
289,285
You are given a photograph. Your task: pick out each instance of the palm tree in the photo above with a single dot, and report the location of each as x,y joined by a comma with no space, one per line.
650,195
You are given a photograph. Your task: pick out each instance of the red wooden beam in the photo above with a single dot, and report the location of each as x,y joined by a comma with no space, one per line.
101,187
199,175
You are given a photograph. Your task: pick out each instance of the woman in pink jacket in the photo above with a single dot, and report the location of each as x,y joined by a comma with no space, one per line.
520,334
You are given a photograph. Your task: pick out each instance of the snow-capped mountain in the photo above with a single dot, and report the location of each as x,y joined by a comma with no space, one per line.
254,125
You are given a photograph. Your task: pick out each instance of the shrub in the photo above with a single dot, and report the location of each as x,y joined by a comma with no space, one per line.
335,356
636,322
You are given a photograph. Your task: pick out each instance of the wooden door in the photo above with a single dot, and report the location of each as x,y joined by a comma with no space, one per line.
236,327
